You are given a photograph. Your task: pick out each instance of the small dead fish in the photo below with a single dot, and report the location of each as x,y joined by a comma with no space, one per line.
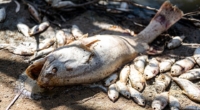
196,55
140,63
191,74
60,38
174,103
24,29
113,93
136,79
162,82
60,4
166,65
182,66
137,96
2,14
111,79
18,6
39,28
123,89
160,101
175,42
46,44
124,73
189,88
34,13
152,69
190,107
77,33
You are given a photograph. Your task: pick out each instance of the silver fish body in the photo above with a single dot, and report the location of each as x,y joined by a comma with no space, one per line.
191,74
137,96
175,42
189,88
160,101
182,66
196,55
140,63
136,79
124,73
162,82
174,103
111,79
24,29
2,14
39,28
165,65
113,93
123,89
152,69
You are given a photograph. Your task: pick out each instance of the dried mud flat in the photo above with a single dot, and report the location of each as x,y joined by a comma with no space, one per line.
80,97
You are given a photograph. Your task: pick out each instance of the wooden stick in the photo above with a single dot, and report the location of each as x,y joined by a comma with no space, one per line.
15,98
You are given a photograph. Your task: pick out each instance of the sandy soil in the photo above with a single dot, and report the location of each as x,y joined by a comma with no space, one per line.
79,97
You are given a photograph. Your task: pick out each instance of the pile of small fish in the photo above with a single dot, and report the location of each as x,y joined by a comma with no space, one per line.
132,80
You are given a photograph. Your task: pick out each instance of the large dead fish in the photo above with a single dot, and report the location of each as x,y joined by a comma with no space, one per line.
92,59
189,88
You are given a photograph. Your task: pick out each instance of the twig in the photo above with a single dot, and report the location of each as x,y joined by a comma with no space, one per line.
154,9
15,98
192,13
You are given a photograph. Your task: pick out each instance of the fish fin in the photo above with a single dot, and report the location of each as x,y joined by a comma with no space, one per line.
87,43
34,69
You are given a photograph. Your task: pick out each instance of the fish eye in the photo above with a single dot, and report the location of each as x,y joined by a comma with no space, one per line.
54,70
172,71
138,88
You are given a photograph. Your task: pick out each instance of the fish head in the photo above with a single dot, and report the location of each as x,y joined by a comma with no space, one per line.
139,86
139,100
113,96
150,74
176,70
49,75
156,105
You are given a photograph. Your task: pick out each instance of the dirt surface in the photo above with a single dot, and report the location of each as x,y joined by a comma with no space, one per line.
80,97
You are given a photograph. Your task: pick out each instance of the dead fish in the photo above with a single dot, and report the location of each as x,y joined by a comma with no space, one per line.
123,6
18,6
152,69
174,103
137,96
136,79
77,33
175,42
160,101
60,38
182,66
140,63
124,73
166,65
34,13
92,59
24,29
39,28
123,89
111,79
69,37
113,93
60,4
196,55
191,74
2,14
189,88
190,107
162,82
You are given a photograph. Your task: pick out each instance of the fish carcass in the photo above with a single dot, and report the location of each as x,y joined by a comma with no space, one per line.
92,59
